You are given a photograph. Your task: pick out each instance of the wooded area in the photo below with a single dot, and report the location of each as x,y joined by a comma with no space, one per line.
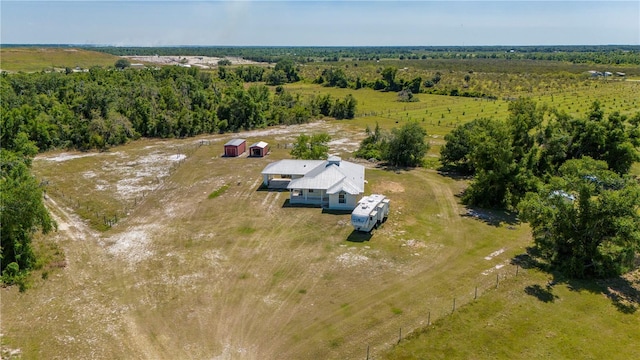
584,213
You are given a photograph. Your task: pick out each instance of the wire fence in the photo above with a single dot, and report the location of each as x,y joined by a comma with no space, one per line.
97,214
438,308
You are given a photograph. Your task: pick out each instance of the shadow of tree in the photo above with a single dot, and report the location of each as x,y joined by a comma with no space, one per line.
492,217
623,291
543,294
530,260
391,168
454,173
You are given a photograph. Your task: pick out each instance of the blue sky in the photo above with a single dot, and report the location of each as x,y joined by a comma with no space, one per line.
320,23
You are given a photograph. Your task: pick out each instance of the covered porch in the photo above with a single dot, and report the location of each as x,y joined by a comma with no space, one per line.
309,197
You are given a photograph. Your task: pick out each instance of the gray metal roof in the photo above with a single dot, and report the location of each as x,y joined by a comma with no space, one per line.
260,144
347,186
291,167
333,176
234,142
323,179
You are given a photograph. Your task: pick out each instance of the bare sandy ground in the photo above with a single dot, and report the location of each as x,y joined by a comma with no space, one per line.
204,62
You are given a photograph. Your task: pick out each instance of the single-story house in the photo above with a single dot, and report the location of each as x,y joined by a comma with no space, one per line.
259,149
333,183
235,147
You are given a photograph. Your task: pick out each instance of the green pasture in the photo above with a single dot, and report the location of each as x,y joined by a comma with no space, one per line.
525,318
40,59
439,114
498,78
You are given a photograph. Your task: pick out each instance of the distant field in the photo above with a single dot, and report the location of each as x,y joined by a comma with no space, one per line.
439,114
38,59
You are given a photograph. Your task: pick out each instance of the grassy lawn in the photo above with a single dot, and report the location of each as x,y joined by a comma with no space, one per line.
39,59
526,319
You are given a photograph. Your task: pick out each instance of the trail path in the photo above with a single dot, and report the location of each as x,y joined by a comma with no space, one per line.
94,302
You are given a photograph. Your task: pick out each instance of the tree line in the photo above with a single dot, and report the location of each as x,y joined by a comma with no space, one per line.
107,107
390,82
568,177
22,211
578,54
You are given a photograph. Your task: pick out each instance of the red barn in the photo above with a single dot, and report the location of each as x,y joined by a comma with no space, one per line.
235,147
259,149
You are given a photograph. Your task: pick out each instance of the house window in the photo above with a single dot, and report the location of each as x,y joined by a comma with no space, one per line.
310,190
342,199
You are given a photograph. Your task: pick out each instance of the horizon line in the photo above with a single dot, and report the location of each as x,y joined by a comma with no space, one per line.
312,46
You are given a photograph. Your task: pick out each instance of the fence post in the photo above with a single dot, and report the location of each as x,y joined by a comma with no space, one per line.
367,352
517,267
454,305
429,319
400,336
497,280
475,296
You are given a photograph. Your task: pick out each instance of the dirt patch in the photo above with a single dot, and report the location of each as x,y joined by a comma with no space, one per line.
494,254
133,245
413,243
343,145
64,156
203,62
495,268
389,187
350,260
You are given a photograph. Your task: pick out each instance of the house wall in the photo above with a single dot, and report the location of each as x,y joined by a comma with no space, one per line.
350,204
304,196
319,197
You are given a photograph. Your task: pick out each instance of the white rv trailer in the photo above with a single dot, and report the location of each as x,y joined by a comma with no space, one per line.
371,211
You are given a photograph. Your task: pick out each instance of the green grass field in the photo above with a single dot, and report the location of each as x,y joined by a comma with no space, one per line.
172,251
526,319
39,59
